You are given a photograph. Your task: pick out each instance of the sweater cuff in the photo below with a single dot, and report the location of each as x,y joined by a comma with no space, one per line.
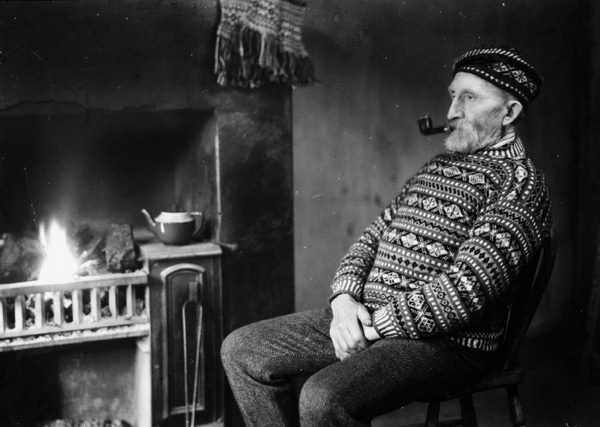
348,285
337,294
385,322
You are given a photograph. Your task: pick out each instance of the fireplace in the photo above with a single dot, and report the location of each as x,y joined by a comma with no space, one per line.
98,167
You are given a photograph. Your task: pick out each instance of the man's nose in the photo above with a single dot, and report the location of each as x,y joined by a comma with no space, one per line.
455,111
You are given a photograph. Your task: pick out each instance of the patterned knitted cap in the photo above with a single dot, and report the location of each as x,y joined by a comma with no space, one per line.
504,68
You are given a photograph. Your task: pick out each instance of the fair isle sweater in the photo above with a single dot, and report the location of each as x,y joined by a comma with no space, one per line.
442,258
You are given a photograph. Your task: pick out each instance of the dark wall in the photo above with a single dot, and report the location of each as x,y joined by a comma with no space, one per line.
383,63
588,263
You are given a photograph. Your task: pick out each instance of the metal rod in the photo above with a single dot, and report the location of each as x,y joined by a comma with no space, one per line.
185,362
197,361
190,407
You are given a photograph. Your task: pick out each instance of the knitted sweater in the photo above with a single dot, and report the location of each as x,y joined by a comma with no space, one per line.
442,258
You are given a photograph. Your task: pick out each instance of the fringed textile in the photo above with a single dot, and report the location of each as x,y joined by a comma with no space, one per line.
260,41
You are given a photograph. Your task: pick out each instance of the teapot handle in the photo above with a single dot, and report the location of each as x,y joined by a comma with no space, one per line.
200,223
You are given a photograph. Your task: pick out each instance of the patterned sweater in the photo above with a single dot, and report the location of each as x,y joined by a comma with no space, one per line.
442,258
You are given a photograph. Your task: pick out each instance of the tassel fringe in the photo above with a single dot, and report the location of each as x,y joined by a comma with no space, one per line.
247,57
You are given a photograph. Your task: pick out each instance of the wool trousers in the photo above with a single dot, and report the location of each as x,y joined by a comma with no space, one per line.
263,360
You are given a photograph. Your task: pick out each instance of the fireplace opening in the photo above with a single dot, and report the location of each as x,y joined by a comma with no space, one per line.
100,167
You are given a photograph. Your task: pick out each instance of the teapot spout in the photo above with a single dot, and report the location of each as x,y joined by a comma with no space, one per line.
149,220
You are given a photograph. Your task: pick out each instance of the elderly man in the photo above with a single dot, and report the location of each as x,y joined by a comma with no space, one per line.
419,300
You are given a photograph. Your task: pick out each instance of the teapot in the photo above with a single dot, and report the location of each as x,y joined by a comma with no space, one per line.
175,228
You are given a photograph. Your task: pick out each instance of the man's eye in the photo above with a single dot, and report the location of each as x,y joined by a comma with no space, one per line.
468,97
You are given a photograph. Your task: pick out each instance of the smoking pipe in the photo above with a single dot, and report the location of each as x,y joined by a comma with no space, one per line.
426,126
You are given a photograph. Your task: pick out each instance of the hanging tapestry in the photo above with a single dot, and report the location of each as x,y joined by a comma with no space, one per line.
260,41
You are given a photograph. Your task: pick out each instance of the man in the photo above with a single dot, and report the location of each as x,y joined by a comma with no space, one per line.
419,300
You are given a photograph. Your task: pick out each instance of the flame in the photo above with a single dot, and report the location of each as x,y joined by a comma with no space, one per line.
60,263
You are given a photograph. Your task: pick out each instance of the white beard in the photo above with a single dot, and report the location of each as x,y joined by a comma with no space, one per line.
466,138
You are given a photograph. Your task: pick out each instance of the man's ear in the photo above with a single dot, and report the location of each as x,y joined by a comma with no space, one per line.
514,109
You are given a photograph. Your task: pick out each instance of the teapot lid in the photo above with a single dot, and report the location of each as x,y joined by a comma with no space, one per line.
174,217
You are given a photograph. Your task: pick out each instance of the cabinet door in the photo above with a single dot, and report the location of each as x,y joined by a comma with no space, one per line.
189,364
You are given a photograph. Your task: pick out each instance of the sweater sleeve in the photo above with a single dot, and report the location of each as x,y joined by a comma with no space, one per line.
503,239
354,267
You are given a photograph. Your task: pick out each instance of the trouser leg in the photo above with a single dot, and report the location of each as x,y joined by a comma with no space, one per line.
261,360
385,376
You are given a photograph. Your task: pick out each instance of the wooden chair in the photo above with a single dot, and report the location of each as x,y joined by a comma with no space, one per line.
510,374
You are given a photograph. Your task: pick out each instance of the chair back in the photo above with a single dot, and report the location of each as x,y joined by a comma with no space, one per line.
533,281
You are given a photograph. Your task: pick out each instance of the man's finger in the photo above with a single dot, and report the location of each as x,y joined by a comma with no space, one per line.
364,316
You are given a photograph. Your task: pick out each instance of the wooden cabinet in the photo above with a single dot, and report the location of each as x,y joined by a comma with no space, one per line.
184,282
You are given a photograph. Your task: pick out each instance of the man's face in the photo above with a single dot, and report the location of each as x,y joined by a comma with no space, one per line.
475,114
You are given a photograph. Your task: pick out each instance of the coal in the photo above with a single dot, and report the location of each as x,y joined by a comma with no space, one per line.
21,258
121,252
100,251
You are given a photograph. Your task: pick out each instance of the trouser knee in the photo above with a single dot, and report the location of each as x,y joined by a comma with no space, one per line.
240,355
318,403
232,350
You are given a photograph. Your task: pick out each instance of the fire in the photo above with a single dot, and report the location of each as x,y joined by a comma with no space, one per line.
60,262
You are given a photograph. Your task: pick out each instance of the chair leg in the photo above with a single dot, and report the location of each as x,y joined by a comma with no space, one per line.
517,415
433,414
467,411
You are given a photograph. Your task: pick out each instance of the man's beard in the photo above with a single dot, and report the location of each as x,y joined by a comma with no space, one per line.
469,138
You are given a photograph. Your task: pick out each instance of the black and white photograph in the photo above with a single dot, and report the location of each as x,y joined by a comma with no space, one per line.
299,213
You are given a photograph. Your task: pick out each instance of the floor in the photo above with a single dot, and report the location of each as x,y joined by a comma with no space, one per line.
553,394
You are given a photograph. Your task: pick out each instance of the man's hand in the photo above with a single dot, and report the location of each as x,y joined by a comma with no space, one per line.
349,318
371,334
